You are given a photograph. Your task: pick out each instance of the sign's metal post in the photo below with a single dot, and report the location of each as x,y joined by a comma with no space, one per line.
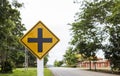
40,68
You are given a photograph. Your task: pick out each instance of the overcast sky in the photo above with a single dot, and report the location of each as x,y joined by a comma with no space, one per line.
55,14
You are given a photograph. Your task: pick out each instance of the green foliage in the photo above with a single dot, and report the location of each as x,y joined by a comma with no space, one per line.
70,58
58,63
46,60
112,29
98,22
11,29
31,60
6,67
87,32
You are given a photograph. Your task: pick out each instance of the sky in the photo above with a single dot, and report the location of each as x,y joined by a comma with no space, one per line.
55,14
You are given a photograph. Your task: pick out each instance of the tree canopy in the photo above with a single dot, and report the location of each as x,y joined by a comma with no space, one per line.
11,29
98,27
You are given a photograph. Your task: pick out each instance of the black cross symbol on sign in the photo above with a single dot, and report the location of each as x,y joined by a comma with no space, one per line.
40,40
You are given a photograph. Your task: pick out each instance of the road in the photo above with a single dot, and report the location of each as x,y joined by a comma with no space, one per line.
76,72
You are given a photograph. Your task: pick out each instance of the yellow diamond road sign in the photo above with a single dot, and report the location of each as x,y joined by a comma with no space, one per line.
39,40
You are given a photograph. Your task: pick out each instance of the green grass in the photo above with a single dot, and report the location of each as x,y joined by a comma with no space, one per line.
47,72
29,72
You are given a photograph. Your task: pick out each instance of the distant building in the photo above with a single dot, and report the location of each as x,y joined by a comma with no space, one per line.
100,63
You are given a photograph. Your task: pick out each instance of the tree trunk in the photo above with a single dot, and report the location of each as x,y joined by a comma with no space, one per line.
90,64
95,65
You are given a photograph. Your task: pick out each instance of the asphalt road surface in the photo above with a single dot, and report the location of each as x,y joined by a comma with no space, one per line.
76,72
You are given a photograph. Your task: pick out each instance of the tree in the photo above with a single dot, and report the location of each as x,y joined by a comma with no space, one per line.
58,63
105,14
11,29
70,58
17,57
87,35
113,50
46,60
31,59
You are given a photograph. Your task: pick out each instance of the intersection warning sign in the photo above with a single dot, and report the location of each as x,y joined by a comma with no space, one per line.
39,40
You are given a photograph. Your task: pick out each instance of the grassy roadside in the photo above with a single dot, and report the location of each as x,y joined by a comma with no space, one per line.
47,72
29,72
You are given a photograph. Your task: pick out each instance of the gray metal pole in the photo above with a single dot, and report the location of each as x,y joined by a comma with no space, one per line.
26,60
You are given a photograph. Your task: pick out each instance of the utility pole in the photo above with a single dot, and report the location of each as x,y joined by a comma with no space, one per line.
26,59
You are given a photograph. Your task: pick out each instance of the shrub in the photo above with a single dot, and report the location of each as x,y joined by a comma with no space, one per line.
6,67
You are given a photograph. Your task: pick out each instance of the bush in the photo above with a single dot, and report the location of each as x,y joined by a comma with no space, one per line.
6,67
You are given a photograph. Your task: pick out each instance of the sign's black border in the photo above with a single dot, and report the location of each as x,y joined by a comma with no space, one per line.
32,50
